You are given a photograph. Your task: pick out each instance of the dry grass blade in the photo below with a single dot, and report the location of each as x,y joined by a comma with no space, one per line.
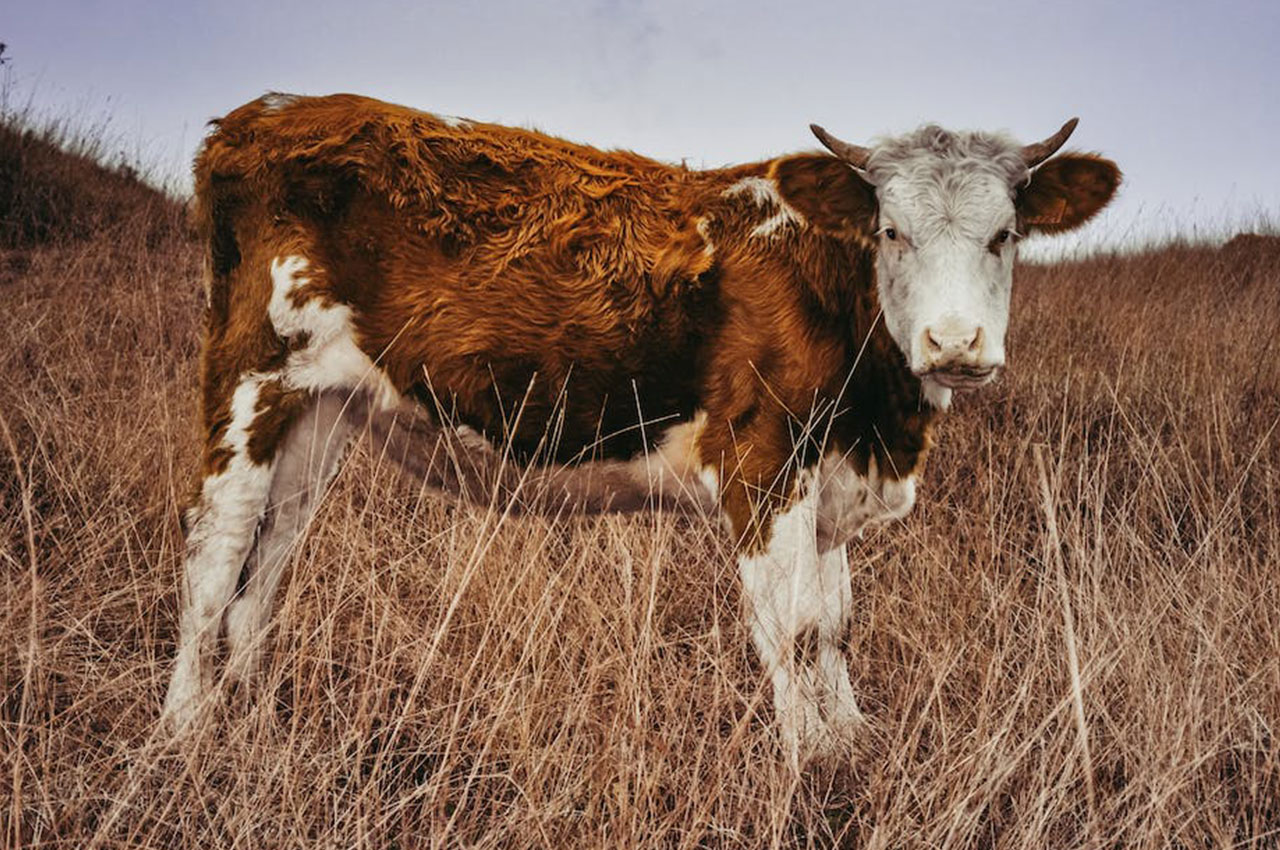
1053,545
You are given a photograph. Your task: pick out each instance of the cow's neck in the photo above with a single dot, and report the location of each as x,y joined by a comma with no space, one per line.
880,409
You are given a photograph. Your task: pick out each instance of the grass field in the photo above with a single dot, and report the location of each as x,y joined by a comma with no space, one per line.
444,677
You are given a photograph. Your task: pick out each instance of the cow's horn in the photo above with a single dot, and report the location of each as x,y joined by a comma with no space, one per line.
1037,153
852,154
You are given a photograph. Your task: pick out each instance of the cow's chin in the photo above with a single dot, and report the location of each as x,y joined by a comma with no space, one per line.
962,378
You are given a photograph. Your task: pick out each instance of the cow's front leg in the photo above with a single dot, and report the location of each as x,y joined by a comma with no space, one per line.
798,601
840,707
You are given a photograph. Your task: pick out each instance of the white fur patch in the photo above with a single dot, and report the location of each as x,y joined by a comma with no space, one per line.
710,479
849,502
454,121
764,194
331,359
233,501
775,580
703,225
940,273
276,101
761,191
673,468
799,595
935,394
775,223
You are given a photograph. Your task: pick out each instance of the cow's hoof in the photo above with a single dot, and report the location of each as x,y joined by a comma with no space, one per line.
844,733
799,726
183,706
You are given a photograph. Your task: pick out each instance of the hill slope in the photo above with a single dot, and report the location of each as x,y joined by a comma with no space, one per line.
51,191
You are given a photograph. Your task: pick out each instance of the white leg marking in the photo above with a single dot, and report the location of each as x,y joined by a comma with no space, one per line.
306,463
840,706
221,534
799,601
709,477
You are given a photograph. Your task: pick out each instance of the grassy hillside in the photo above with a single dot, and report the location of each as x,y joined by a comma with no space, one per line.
53,187
445,677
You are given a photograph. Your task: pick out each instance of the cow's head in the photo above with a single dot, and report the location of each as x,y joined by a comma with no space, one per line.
946,211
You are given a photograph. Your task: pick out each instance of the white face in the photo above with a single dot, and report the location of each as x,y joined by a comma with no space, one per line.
944,271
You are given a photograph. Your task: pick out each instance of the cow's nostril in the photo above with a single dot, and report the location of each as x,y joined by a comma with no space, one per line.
931,342
976,343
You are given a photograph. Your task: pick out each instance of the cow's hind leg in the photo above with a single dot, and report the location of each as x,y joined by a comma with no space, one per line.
240,459
306,461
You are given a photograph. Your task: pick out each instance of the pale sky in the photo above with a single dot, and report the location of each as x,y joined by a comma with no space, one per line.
1182,95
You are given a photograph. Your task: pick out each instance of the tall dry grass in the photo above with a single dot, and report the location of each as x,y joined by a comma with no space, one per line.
443,677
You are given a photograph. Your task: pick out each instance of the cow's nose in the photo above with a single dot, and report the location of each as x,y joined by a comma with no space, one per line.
948,342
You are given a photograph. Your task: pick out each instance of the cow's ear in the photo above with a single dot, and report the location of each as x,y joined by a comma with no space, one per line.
828,192
1066,192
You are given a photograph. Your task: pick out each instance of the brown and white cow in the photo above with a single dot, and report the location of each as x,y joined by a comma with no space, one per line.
772,339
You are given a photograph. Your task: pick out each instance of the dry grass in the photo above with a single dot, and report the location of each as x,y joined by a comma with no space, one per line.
442,677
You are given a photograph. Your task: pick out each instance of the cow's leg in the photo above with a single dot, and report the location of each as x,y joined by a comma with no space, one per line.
239,461
799,602
306,461
840,707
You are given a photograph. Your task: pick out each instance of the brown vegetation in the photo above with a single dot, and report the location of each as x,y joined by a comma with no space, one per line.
447,676
53,187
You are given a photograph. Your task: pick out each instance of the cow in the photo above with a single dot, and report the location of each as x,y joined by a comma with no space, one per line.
772,341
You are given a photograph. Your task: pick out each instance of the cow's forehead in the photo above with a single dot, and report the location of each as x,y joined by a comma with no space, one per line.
969,205
942,179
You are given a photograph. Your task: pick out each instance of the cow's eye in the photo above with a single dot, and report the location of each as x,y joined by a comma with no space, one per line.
890,234
1000,240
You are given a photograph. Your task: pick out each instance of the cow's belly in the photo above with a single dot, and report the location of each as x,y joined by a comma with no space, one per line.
673,474
848,501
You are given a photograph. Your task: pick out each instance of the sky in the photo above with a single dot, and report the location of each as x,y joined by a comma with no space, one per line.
1184,96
